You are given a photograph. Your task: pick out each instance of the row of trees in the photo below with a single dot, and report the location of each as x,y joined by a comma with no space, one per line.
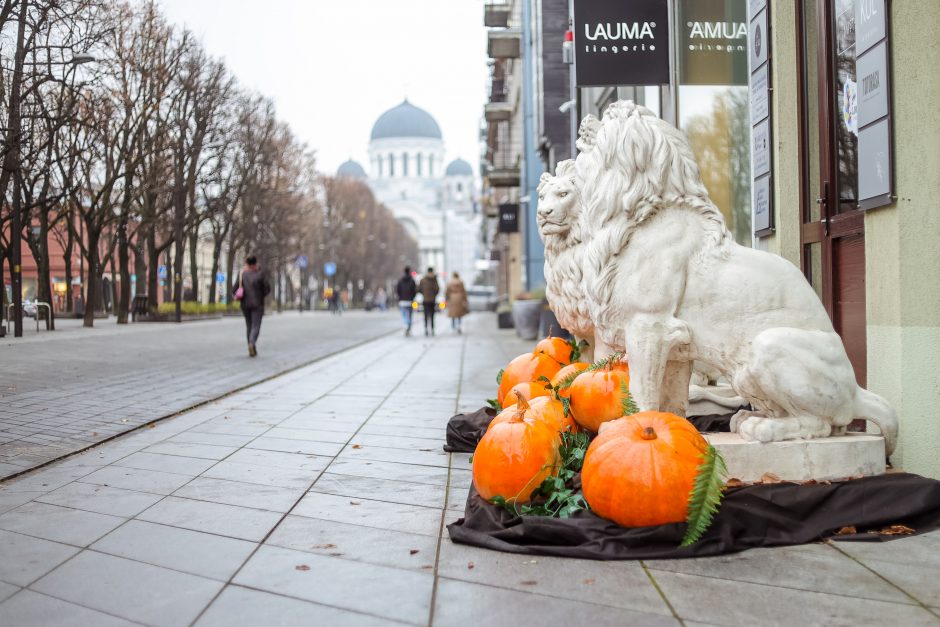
154,149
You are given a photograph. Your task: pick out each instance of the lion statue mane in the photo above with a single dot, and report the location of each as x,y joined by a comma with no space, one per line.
665,281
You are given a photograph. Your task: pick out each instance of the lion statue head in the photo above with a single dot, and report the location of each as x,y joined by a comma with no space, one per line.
559,206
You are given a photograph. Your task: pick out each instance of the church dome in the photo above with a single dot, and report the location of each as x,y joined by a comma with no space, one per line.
351,169
458,167
406,120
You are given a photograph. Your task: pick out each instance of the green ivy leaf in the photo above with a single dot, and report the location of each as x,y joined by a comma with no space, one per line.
705,498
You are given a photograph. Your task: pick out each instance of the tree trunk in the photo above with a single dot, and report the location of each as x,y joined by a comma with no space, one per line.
230,268
178,250
140,266
153,273
193,268
91,289
213,284
45,274
124,297
67,258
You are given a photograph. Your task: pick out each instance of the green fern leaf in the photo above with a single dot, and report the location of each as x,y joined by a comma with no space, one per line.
603,363
492,402
499,376
705,498
626,401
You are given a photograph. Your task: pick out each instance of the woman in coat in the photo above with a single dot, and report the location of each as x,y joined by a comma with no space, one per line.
456,296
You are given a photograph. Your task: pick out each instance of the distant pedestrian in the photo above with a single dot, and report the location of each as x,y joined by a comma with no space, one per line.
334,302
253,286
429,288
406,290
381,299
457,306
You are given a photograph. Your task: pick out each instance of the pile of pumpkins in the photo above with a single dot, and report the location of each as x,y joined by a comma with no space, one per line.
638,471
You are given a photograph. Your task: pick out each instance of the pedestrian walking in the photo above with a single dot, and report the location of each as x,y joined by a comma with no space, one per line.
457,306
429,288
406,291
381,299
253,287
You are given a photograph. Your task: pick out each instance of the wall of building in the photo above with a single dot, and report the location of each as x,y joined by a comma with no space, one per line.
902,247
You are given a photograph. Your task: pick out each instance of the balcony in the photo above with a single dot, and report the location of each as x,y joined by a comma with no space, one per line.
504,44
496,15
505,176
497,111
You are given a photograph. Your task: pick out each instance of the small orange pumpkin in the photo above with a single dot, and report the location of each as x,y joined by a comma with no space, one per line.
557,348
639,471
525,368
515,455
542,408
596,396
529,390
564,373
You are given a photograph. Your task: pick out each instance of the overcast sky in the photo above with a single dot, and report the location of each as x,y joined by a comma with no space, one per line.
333,66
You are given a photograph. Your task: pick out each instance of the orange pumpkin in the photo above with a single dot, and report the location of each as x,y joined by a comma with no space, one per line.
542,408
597,396
557,348
529,390
515,455
639,471
525,368
564,373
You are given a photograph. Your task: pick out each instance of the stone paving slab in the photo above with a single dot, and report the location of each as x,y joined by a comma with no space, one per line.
73,388
298,501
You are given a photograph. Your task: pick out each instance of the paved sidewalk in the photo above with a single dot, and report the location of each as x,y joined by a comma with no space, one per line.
64,391
320,498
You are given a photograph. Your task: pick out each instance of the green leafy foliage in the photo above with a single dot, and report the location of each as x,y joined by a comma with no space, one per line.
492,402
577,347
604,363
705,498
556,496
499,376
626,401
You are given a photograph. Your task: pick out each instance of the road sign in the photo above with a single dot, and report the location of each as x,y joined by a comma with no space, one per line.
161,272
302,262
329,268
220,277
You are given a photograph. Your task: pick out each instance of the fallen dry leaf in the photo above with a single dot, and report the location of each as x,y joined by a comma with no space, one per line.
734,482
590,581
413,551
94,434
151,426
324,546
428,566
355,503
225,417
896,530
357,446
301,567
336,554
529,582
846,531
470,565
769,477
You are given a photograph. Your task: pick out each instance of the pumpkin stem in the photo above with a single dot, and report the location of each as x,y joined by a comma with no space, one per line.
648,434
522,405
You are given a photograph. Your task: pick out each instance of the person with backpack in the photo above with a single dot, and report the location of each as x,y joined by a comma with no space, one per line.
253,287
429,288
406,291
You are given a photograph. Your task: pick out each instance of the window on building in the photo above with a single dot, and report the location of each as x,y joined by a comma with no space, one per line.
404,164
391,165
430,165
378,163
459,187
418,163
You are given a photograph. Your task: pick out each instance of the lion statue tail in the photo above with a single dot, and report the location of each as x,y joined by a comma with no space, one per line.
870,406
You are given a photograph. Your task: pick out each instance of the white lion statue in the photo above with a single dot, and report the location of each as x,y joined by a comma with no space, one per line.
664,280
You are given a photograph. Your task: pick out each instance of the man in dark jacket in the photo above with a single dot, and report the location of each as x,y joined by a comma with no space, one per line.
254,287
406,291
429,288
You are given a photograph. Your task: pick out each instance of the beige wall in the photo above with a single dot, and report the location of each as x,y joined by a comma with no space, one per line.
902,247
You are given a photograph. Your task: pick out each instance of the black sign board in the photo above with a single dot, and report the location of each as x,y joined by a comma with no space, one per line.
621,43
713,48
509,218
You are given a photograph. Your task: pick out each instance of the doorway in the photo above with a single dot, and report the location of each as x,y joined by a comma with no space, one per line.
833,227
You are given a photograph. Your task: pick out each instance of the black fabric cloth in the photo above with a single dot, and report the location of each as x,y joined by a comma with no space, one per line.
712,423
752,516
256,287
406,289
253,317
465,430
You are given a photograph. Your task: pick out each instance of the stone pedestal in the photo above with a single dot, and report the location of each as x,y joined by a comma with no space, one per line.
851,455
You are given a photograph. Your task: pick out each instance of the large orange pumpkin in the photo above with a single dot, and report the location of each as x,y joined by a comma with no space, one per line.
596,396
564,373
542,408
514,456
525,368
639,471
529,390
557,348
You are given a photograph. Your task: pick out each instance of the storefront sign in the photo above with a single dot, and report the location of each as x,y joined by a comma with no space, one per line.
621,43
760,96
870,25
508,219
873,87
713,46
762,206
